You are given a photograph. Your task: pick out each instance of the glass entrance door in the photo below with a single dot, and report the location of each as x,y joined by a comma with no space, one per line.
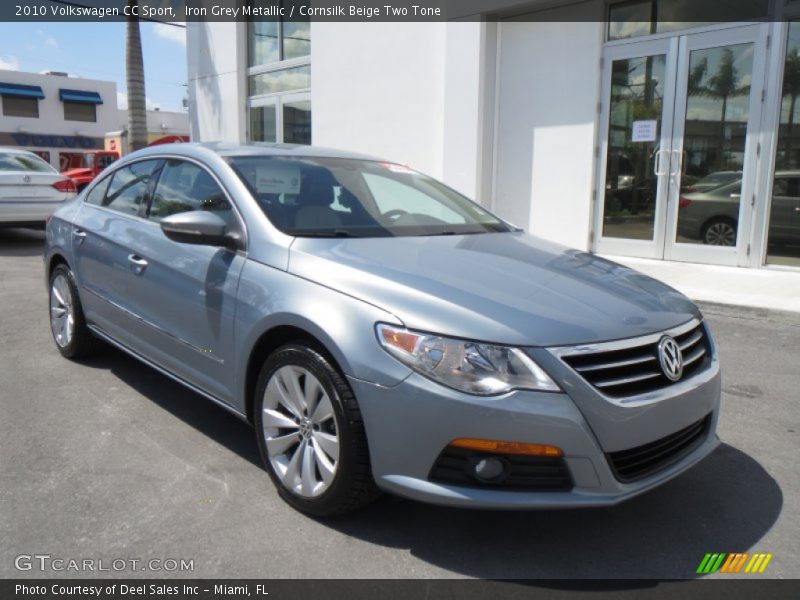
693,203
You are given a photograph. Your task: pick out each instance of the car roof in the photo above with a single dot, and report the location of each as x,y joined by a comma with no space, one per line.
227,149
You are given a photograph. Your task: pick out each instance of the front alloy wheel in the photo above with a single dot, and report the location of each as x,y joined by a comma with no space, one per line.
310,432
300,431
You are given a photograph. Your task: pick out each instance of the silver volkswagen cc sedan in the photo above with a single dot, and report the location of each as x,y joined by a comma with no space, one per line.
382,332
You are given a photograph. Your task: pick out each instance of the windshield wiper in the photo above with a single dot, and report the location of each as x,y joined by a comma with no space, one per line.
334,233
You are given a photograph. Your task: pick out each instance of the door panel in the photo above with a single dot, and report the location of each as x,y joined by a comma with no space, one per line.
185,294
99,241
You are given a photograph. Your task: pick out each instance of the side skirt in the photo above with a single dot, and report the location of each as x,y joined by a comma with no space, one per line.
106,338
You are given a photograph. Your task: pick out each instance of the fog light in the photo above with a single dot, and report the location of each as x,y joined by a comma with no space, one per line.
489,468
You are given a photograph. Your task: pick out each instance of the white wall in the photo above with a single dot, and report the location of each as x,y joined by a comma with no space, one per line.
378,88
217,62
549,82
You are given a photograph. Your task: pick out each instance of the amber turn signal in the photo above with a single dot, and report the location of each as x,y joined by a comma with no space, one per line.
497,447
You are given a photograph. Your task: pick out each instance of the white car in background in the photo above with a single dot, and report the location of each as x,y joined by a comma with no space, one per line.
30,189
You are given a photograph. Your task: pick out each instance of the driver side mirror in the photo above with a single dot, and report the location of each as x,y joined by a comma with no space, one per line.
199,227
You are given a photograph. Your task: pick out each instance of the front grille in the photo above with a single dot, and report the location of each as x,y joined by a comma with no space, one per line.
532,473
639,462
634,369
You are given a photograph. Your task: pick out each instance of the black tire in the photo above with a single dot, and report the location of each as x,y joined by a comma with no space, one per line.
352,486
82,343
712,230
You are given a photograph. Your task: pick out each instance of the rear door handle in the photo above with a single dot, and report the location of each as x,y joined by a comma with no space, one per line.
139,264
79,235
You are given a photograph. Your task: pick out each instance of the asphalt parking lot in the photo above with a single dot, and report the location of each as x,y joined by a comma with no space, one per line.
107,459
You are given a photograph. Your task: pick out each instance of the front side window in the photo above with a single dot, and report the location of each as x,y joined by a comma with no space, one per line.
128,188
337,197
183,187
80,111
20,107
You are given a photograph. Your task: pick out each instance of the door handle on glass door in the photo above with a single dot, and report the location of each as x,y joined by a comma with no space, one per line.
657,171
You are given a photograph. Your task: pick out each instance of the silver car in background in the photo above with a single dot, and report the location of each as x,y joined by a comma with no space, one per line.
382,332
30,189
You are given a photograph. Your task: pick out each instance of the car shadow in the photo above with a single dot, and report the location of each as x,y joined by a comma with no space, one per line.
727,503
196,411
21,242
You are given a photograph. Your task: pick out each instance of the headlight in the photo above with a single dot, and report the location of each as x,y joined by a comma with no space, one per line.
471,367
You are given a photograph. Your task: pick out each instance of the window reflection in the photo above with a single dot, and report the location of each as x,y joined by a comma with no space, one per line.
636,98
783,238
717,110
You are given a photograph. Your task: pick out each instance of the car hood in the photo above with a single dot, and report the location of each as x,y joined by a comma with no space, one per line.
508,288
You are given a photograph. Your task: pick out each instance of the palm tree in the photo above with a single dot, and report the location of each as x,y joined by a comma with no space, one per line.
134,73
791,88
723,84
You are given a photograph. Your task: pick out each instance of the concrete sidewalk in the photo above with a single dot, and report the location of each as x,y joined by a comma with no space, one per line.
772,289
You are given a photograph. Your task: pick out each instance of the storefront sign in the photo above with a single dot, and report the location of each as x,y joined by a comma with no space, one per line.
43,140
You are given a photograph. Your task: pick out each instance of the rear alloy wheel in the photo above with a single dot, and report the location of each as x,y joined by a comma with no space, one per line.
720,233
67,323
310,433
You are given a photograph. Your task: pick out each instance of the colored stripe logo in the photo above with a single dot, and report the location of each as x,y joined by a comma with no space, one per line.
736,562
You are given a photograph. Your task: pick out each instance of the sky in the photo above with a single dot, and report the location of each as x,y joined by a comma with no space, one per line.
97,51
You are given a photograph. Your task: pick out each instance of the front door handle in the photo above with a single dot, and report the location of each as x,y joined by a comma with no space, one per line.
79,235
138,263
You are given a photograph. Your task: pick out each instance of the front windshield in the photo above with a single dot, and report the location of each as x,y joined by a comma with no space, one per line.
337,197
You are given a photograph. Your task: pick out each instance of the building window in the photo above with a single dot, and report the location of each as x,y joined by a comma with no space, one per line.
279,80
20,107
643,17
274,41
80,111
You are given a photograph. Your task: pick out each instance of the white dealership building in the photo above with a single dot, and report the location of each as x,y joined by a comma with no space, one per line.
635,129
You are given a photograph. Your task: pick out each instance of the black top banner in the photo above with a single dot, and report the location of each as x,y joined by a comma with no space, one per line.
694,11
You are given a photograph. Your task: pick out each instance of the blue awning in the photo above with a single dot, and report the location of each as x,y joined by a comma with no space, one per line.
79,96
21,91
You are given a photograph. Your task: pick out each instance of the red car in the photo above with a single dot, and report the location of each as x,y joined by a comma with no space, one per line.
91,164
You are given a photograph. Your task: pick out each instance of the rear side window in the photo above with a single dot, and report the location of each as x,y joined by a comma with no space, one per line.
128,188
98,192
24,162
183,187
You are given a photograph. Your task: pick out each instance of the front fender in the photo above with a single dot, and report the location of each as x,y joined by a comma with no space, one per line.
270,298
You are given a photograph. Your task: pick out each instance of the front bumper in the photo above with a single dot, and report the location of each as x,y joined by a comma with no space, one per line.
409,425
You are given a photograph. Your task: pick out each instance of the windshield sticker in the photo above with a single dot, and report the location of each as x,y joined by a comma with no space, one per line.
277,179
398,168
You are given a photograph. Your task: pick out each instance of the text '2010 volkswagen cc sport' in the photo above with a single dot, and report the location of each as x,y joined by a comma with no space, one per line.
382,332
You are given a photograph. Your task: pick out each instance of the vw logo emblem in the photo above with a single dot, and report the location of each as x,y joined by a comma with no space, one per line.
670,358
27,179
